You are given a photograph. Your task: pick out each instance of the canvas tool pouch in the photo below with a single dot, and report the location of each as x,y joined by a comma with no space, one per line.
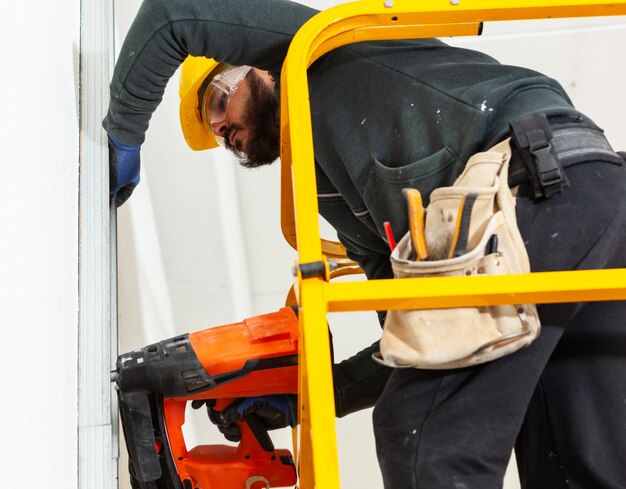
460,337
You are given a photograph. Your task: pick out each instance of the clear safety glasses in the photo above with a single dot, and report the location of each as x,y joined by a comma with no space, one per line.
217,96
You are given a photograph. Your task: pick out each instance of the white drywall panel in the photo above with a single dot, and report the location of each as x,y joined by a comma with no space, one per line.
39,243
183,223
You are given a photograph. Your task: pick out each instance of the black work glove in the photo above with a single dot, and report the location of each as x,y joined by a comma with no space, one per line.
275,411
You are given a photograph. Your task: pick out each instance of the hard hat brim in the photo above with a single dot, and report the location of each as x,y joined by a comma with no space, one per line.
196,135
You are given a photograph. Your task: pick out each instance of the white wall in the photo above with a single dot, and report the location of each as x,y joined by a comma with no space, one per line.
39,138
200,240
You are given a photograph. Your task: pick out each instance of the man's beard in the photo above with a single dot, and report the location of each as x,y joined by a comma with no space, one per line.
262,118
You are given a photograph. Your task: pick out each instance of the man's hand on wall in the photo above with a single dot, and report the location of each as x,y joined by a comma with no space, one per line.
124,166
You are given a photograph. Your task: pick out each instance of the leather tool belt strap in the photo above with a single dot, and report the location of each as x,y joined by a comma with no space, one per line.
543,147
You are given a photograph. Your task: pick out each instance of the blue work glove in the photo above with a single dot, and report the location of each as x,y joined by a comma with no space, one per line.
124,165
276,411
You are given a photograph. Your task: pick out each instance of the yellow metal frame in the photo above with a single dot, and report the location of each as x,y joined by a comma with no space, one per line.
374,20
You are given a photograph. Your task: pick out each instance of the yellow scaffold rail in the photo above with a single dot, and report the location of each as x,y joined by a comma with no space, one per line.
375,20
443,292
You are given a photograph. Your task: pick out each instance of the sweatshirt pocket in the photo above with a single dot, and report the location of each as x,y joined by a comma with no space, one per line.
383,189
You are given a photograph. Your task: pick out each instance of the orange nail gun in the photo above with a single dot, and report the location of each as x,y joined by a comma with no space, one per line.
258,356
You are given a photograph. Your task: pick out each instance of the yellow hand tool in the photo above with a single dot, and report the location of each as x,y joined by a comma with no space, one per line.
416,222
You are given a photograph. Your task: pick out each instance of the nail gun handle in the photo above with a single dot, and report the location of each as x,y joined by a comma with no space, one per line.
252,426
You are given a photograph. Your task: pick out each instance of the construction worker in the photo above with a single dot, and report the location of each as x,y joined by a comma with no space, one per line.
389,115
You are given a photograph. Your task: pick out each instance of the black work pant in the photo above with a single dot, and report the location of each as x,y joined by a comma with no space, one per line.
561,402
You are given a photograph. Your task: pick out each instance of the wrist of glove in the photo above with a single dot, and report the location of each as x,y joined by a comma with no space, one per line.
124,169
275,411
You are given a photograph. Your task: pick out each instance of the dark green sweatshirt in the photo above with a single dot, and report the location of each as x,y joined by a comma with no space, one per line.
386,115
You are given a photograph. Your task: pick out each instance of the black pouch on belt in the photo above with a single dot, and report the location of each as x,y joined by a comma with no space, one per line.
547,147
531,136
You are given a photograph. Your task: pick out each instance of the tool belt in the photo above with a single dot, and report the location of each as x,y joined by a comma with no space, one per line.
470,230
542,148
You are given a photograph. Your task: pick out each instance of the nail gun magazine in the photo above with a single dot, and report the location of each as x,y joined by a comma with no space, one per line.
258,356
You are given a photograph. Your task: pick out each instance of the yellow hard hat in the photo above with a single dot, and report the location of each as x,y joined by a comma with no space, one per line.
194,70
